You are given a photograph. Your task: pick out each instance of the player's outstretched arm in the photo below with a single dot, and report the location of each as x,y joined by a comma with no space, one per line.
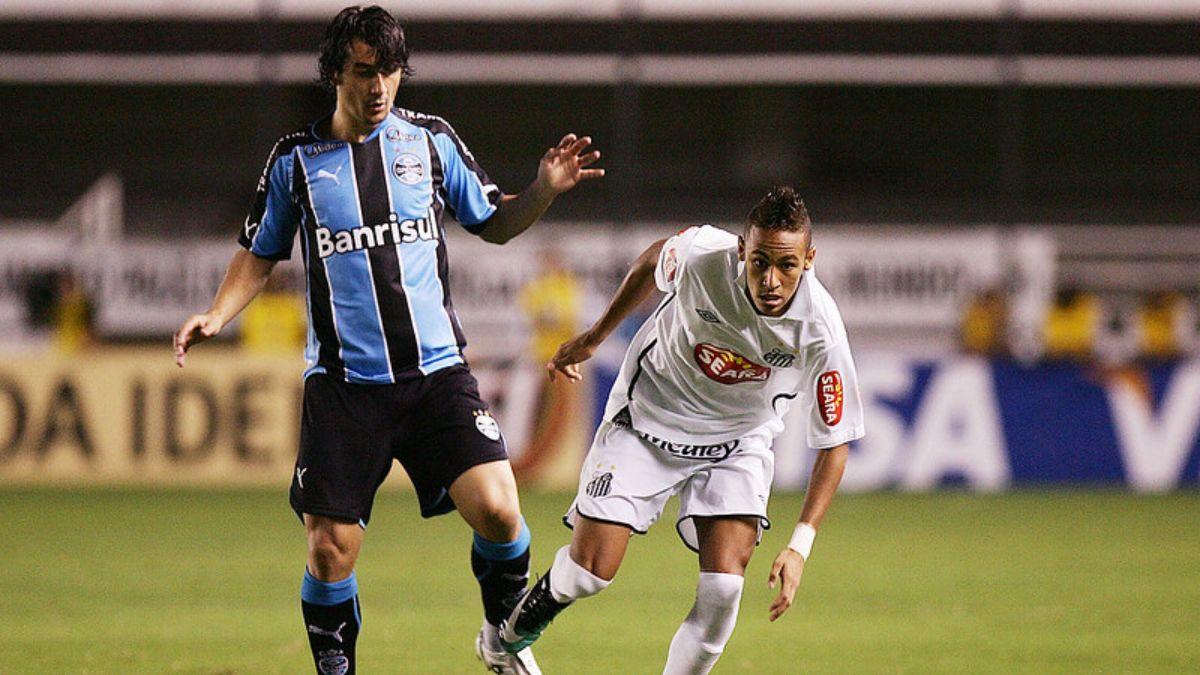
789,564
635,288
560,169
245,277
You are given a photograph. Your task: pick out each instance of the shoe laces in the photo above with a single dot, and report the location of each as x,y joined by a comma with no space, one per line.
540,608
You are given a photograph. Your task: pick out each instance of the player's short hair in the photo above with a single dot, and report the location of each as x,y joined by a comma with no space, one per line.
373,25
781,209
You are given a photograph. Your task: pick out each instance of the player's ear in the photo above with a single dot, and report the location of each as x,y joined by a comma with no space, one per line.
809,257
339,77
741,248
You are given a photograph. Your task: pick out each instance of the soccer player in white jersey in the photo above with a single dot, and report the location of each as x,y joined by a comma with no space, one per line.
745,331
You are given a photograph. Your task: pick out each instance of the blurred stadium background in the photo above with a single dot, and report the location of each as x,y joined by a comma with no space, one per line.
1007,205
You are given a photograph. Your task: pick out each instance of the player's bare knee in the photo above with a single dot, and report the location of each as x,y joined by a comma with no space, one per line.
725,561
597,562
328,563
599,547
329,558
500,520
728,568
731,562
607,572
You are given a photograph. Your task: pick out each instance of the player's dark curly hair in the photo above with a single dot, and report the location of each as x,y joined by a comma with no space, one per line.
781,209
374,26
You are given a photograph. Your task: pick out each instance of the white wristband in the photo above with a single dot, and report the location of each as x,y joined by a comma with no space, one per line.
802,540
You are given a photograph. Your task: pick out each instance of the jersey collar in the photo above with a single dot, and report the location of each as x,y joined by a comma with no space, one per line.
801,308
378,129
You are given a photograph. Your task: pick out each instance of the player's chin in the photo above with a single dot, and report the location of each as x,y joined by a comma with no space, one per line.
376,113
770,304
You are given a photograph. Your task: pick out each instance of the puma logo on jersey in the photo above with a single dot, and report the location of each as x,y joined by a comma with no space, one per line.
322,173
336,634
830,397
727,366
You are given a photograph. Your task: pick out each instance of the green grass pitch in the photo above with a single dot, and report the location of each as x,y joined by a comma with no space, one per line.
206,581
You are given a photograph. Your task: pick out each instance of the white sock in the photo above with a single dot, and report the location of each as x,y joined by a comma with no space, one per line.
569,581
702,637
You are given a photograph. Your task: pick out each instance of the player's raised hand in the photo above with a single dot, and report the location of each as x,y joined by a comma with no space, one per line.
564,165
198,328
788,567
570,354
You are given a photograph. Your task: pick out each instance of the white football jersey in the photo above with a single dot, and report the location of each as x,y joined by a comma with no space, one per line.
707,368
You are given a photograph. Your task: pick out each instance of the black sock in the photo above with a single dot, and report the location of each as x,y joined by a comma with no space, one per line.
332,620
502,571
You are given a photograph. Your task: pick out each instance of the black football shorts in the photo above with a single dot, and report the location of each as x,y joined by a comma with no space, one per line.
436,425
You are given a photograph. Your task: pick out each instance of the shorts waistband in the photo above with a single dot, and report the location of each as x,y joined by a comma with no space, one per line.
715,452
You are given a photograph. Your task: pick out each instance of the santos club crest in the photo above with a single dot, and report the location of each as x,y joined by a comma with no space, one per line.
779,358
727,366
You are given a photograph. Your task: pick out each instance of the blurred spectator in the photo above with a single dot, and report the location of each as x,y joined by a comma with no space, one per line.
72,315
1071,326
552,303
985,324
276,322
1161,323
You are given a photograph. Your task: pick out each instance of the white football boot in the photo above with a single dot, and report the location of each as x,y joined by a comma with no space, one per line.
489,650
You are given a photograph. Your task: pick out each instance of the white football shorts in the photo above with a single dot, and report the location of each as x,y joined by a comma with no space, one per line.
627,478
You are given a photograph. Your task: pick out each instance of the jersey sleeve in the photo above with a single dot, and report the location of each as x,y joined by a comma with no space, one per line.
836,415
679,249
271,224
470,195
671,259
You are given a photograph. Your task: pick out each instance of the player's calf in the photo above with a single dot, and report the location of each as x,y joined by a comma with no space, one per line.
502,569
701,638
332,619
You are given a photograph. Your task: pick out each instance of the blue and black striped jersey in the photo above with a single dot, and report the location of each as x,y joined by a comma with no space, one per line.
370,216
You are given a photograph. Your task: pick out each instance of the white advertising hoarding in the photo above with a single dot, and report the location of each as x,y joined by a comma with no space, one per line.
890,277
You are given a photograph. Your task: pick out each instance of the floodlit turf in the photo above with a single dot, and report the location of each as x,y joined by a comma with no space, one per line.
187,581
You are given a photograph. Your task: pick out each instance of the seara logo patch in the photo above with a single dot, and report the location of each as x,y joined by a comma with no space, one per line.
670,265
727,366
830,397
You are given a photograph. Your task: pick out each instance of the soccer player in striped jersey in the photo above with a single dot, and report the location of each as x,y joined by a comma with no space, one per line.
368,189
745,330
